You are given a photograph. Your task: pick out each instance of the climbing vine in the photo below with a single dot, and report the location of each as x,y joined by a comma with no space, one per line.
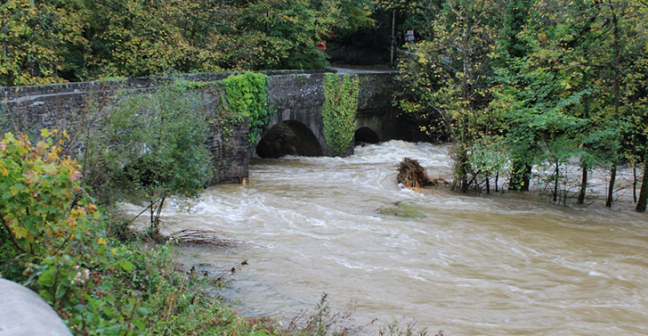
339,110
248,94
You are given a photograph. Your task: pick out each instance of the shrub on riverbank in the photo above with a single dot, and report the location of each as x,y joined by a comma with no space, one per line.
54,240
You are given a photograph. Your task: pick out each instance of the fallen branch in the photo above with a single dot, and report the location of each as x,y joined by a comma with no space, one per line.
202,237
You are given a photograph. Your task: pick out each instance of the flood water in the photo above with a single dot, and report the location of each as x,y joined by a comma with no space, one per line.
511,264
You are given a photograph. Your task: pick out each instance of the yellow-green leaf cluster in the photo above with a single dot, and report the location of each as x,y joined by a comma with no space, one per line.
39,212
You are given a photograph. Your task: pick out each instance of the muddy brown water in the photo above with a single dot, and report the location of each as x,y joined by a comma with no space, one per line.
510,264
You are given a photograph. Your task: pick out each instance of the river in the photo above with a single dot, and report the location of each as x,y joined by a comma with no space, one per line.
511,264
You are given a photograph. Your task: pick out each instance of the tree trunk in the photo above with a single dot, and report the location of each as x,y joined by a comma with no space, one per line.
643,196
496,180
156,225
520,176
461,170
581,195
555,193
393,38
617,103
634,183
152,212
610,196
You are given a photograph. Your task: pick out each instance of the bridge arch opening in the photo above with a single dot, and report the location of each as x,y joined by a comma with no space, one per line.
288,138
366,135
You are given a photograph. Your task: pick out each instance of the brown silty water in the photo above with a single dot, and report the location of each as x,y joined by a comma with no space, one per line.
511,264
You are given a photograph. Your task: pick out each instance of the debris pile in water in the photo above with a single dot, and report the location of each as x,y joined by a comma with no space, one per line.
201,237
412,176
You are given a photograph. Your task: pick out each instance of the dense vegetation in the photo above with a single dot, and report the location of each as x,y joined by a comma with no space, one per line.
247,94
45,41
514,84
339,111
56,241
525,83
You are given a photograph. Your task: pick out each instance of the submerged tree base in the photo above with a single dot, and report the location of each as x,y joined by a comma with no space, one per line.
412,176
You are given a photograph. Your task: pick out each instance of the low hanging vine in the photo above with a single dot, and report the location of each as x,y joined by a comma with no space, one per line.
339,110
248,94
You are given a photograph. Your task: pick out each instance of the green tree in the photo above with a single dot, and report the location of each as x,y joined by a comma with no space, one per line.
447,77
287,31
148,147
572,67
511,48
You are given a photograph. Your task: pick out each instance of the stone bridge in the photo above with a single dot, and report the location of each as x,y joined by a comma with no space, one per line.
296,129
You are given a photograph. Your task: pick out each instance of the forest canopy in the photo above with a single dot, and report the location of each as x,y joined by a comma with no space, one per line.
48,41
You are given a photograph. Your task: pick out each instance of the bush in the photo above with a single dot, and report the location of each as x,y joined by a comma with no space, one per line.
41,209
150,146
339,110
248,94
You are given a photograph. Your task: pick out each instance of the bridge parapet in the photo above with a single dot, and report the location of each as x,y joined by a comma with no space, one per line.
297,97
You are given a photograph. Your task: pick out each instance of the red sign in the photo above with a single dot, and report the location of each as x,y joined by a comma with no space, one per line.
321,45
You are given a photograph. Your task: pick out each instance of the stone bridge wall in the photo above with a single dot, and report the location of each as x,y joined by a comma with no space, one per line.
300,97
65,106
295,95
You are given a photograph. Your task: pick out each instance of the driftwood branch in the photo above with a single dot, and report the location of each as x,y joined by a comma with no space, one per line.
202,237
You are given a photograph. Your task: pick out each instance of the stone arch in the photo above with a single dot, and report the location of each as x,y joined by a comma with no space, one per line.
366,135
288,138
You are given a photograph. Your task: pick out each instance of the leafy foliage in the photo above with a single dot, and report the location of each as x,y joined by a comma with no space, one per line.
247,94
447,77
150,146
531,83
38,40
38,208
56,242
339,110
47,41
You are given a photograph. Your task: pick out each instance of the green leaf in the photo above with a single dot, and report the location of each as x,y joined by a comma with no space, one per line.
143,311
47,277
125,265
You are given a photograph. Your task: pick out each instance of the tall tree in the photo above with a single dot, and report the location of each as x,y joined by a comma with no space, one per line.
511,48
447,76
